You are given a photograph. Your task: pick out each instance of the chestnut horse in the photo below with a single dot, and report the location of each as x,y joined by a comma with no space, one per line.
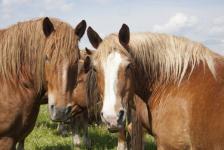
135,121
181,81
85,110
36,56
80,120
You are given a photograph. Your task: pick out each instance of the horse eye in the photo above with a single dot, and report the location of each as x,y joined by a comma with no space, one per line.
94,69
128,67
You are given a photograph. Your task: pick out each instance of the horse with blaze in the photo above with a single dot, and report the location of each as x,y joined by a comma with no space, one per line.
36,56
180,81
87,104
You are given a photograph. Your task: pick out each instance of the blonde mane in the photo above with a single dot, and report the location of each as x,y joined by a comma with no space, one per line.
23,46
160,56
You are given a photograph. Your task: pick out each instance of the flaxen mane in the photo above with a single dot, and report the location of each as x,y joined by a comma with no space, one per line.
161,56
23,47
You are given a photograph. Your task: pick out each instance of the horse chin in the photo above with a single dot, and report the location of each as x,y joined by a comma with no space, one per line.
70,119
65,119
58,120
115,129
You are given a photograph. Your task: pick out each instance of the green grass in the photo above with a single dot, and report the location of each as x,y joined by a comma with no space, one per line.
45,137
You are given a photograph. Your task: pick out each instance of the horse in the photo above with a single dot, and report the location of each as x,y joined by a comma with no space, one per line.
181,82
79,122
135,123
36,56
87,111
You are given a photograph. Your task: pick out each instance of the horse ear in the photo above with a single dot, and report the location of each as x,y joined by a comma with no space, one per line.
94,37
88,51
80,29
48,26
124,35
87,62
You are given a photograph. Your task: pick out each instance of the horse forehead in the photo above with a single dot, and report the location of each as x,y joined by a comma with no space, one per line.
114,60
111,64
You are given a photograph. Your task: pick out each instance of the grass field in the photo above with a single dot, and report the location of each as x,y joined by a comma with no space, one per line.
45,137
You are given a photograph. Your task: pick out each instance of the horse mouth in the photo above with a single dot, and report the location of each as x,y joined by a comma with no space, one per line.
112,129
75,113
67,120
64,118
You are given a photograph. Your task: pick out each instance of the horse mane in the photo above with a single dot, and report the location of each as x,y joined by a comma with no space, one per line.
22,50
94,104
161,57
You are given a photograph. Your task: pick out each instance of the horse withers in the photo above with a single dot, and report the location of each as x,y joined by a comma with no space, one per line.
181,82
36,56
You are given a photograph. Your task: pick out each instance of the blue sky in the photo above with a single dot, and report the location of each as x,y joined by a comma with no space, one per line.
201,20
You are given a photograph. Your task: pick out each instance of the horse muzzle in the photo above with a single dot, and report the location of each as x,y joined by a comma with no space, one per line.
60,114
114,123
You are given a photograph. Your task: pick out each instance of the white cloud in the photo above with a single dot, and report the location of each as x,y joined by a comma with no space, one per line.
177,23
215,44
217,30
56,5
7,2
209,31
213,33
217,27
102,1
18,10
219,20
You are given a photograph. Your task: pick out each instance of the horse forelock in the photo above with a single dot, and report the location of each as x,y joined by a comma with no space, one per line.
162,57
22,50
63,44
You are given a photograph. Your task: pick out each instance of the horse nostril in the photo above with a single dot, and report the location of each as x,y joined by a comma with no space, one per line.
68,110
51,107
120,115
101,114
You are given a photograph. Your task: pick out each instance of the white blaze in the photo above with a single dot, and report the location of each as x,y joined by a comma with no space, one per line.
64,76
51,99
111,68
65,79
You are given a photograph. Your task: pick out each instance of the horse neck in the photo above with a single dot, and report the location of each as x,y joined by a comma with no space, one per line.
141,84
159,62
147,86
